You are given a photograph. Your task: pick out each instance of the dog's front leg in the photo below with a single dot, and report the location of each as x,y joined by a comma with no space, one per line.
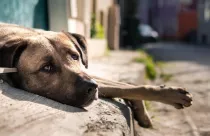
175,96
138,107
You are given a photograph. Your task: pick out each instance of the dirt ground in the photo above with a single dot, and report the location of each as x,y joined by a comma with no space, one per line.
186,66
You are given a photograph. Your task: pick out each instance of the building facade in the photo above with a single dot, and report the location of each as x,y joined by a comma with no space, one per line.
203,33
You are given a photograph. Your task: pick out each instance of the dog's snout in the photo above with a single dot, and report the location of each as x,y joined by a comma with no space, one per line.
91,86
86,90
85,84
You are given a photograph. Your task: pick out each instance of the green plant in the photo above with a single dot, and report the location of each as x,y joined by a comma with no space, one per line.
148,105
160,64
93,27
97,30
164,76
149,64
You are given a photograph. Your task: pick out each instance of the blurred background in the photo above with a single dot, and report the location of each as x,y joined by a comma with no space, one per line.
122,23
168,40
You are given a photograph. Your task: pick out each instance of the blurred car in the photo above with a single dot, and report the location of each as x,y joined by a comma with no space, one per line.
147,33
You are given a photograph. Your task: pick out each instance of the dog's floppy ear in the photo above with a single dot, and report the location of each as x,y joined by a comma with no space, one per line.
81,46
10,52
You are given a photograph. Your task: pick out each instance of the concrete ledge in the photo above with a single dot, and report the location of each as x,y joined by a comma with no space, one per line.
24,113
96,48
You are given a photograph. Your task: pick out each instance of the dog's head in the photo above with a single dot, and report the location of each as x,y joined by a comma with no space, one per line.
52,65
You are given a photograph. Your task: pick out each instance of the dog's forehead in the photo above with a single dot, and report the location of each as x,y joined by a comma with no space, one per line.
60,40
39,43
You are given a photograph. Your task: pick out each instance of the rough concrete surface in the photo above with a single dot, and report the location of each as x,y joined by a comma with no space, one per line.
23,113
190,68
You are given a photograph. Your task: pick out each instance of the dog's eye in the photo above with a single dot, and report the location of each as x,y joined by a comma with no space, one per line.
47,68
75,56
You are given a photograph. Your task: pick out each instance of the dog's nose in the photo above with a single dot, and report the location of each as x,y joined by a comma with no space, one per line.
86,85
91,86
86,91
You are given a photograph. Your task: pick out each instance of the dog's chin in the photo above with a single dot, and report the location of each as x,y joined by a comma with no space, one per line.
91,99
87,103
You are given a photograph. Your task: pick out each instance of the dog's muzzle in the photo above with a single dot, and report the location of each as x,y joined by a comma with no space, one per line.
86,91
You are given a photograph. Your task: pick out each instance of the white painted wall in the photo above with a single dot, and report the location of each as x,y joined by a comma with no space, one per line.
58,16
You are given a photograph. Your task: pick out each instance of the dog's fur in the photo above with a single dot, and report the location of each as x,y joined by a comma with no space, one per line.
52,64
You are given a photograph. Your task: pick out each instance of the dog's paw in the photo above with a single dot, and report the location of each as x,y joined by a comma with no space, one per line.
176,96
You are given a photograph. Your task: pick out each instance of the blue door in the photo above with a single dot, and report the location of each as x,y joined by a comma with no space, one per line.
28,13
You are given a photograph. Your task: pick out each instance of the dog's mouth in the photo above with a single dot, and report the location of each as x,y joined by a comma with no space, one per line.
91,99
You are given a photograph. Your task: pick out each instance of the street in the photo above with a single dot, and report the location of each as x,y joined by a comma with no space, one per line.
189,67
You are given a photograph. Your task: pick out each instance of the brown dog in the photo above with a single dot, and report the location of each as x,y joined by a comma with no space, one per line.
51,64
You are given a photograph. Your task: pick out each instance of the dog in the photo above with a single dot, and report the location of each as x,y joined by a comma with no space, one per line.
52,64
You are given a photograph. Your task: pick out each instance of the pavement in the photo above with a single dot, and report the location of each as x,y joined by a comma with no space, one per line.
118,66
189,67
